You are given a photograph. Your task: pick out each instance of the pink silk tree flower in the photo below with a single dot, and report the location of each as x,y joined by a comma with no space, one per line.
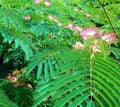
27,17
90,32
47,3
55,19
70,26
77,28
95,48
37,1
110,38
100,34
50,17
78,46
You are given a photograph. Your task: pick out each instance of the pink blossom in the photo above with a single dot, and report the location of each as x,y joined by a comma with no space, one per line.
78,45
37,1
89,33
9,77
77,28
111,37
55,19
59,24
100,34
50,17
95,48
47,3
27,17
28,85
70,26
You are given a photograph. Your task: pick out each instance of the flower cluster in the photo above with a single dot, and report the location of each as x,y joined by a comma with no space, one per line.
93,32
94,47
46,2
78,45
87,15
37,1
73,27
87,33
69,25
53,18
15,80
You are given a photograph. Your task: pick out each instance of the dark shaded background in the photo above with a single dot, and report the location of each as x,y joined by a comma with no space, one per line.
5,69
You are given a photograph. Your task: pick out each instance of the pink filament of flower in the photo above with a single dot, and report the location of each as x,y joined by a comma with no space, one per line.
47,3
111,37
88,33
37,1
77,28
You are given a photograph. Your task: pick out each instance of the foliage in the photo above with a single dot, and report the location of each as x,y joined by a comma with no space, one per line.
55,65
4,98
71,85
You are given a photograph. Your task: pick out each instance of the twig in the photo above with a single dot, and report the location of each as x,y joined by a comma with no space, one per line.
107,16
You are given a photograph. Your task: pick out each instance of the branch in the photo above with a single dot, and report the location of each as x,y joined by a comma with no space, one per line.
107,15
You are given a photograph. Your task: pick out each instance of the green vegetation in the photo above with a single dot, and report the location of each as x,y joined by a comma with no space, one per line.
64,53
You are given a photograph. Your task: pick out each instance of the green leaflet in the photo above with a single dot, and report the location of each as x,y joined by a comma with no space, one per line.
4,98
73,85
116,52
39,70
51,67
79,100
71,95
14,31
68,86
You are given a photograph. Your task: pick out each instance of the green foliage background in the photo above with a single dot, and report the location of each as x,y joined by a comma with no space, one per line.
60,76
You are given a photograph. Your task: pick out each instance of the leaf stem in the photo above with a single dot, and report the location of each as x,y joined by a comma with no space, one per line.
90,80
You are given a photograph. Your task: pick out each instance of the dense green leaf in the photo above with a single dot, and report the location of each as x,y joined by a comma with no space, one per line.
4,98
